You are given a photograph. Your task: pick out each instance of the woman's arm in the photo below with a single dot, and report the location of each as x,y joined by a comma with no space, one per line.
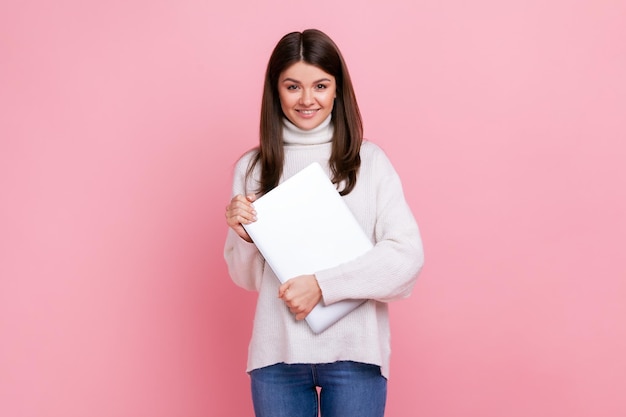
390,269
245,263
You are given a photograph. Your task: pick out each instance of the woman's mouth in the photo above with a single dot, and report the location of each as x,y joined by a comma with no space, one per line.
307,113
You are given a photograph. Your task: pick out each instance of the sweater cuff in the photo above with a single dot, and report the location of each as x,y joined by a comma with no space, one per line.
330,293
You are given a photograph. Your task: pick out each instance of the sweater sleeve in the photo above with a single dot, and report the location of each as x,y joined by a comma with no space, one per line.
245,262
389,270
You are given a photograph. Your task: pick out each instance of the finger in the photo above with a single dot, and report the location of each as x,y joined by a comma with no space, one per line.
240,205
302,315
239,197
240,202
236,213
297,309
237,219
282,290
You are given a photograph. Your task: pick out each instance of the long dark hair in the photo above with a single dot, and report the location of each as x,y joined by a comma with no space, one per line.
315,48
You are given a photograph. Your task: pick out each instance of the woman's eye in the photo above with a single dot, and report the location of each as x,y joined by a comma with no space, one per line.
321,86
292,87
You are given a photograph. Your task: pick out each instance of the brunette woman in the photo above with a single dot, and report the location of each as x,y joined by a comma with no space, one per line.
309,113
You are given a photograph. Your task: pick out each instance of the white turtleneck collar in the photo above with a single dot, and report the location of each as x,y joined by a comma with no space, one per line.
293,135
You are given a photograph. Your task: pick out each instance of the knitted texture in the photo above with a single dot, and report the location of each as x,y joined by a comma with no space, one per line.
387,272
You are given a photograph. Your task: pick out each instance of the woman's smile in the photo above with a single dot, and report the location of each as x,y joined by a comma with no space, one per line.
307,94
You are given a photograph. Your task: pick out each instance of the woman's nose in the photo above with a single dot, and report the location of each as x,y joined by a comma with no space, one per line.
306,98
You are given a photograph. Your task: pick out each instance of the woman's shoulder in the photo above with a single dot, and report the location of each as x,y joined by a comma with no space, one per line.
244,161
372,153
376,162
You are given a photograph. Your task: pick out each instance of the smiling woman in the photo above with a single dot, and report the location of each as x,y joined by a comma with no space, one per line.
309,114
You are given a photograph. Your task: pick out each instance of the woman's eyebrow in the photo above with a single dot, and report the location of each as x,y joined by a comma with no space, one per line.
299,82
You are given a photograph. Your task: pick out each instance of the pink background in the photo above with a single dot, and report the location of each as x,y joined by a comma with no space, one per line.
119,124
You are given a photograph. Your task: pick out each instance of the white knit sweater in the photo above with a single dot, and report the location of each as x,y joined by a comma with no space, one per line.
385,273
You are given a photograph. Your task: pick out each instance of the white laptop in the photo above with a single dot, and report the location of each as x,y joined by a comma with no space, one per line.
303,226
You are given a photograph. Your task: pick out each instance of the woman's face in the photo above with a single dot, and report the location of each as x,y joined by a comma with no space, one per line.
307,94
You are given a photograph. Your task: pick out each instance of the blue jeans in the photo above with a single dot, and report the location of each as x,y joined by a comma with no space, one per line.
346,389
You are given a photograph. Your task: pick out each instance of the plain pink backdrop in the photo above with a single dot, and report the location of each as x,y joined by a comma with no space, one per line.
119,124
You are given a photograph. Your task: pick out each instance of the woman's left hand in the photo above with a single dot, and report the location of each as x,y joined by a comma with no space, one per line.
301,294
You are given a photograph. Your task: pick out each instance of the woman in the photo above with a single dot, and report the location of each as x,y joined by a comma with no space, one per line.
309,114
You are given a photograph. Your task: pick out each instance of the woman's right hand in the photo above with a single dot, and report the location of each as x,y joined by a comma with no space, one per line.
241,211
